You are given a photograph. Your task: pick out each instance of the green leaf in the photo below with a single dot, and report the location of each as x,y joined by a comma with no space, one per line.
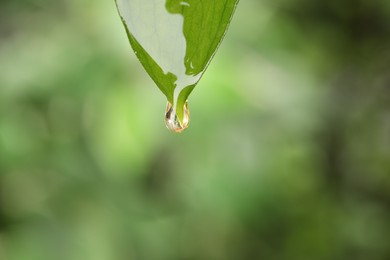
175,40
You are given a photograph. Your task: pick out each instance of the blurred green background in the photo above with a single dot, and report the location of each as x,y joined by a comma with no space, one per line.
287,155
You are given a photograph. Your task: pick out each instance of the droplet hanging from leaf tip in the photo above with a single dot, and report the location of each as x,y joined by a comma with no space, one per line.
173,122
175,41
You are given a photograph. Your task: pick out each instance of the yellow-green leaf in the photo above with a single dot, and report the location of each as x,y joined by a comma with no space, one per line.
175,40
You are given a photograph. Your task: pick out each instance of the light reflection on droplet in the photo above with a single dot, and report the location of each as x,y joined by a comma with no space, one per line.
173,122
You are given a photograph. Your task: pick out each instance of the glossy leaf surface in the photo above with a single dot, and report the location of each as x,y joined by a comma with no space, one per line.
175,40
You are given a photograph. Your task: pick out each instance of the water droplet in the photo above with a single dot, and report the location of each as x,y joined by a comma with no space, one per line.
173,122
